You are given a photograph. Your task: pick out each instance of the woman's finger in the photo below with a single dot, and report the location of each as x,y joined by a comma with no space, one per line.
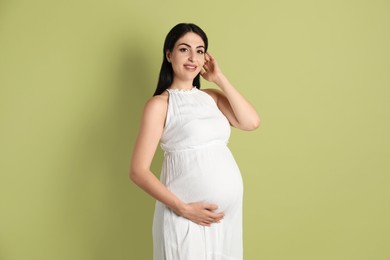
207,57
209,206
210,56
216,215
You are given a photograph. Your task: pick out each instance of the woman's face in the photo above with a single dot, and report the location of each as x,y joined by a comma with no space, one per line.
187,57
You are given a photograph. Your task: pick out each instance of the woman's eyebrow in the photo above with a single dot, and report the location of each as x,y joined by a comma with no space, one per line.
189,46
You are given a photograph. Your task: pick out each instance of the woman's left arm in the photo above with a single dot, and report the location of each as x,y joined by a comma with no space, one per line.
240,113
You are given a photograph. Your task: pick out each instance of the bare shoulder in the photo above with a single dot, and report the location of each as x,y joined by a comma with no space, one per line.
156,106
157,102
214,93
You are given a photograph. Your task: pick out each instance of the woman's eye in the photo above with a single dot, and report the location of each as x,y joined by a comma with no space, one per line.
200,51
183,49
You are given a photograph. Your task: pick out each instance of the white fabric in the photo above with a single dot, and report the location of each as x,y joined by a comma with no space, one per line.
198,167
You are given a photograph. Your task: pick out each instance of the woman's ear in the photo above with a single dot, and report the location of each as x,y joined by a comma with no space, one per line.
168,56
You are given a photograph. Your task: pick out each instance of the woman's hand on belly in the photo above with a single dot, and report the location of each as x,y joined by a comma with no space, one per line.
201,213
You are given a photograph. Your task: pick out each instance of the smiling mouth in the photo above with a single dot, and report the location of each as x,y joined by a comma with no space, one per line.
190,67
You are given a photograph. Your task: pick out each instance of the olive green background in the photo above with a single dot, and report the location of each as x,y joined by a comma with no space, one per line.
74,76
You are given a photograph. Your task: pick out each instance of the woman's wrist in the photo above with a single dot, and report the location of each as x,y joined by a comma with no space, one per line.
179,208
221,81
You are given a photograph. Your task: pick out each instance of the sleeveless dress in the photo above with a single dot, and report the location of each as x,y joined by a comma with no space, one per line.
198,167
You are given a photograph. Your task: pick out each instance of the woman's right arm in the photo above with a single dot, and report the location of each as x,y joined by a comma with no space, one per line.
152,125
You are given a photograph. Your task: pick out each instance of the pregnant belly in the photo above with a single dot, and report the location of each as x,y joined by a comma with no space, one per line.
210,176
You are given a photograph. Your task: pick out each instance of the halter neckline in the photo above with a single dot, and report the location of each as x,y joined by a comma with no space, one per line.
178,90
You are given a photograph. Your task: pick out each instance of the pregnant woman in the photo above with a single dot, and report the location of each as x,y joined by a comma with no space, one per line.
198,214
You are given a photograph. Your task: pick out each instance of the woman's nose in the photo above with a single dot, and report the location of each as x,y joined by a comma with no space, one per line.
191,56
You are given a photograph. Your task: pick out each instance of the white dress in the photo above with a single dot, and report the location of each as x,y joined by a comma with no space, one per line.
198,167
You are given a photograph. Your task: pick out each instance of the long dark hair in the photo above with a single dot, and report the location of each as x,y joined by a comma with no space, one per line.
165,78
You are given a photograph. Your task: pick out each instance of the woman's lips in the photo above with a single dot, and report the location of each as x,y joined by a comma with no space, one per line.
190,67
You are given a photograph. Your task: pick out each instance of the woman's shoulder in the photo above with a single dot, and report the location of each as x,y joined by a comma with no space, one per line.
157,103
214,93
158,100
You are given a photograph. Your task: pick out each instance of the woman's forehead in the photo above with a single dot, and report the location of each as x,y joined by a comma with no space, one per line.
192,39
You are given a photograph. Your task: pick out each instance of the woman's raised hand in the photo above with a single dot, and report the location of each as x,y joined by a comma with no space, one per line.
202,213
211,71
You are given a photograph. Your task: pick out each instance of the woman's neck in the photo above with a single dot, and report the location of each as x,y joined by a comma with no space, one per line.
181,84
